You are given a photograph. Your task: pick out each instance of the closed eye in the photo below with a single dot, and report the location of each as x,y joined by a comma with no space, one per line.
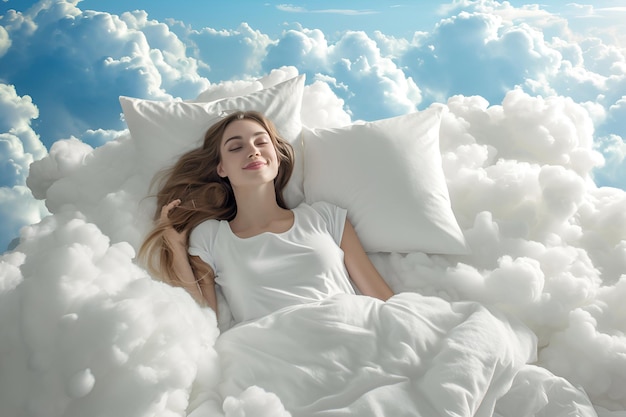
262,138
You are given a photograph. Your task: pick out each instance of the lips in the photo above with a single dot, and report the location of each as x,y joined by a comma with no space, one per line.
255,165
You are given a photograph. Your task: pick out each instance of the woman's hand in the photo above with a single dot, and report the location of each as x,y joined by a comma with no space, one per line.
202,286
172,236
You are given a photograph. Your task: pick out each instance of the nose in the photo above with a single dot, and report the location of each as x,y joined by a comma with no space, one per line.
253,151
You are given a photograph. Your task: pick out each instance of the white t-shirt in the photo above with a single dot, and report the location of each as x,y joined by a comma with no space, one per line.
261,274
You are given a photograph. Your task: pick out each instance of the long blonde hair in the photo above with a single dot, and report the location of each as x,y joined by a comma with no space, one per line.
203,193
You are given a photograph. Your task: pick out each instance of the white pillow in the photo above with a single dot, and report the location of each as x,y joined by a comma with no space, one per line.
163,130
388,175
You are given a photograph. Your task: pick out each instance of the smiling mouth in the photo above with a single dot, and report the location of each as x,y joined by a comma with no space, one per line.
255,165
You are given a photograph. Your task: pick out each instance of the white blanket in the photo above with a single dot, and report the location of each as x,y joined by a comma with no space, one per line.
358,356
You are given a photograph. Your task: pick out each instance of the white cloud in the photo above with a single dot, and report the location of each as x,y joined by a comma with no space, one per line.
5,41
19,147
304,48
290,8
613,173
18,209
612,144
390,46
554,130
16,115
96,332
229,54
97,56
178,72
478,53
322,108
356,60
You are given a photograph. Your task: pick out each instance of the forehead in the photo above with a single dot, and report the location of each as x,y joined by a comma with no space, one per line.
242,128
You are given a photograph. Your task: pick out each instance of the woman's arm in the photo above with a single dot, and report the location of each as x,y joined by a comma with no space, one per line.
206,280
196,277
193,274
361,269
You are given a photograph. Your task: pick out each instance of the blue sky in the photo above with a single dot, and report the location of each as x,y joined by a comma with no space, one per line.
272,18
63,64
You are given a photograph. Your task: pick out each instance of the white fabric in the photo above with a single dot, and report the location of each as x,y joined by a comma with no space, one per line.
304,341
388,175
352,355
269,271
537,392
169,128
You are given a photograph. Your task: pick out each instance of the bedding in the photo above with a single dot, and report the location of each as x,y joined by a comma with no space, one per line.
359,356
163,130
401,203
351,355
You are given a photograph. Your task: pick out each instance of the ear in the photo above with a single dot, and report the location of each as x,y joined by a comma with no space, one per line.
220,170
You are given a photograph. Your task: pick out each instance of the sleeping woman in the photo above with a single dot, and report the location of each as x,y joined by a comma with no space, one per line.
315,322
236,179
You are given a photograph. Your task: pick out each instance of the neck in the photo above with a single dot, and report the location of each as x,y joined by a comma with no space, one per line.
256,206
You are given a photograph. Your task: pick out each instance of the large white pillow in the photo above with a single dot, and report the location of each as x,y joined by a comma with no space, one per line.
163,130
388,175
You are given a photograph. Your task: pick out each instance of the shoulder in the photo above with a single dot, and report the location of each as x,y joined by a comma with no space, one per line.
328,211
326,216
206,225
202,241
323,208
205,231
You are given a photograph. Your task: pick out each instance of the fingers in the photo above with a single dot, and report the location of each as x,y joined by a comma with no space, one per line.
165,210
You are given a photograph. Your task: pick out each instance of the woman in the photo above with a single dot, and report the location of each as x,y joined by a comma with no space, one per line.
287,277
237,177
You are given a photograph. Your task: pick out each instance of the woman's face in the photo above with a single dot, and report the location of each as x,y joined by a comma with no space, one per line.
248,156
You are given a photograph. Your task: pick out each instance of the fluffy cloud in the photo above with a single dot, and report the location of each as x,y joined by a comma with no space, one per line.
18,209
111,331
229,54
166,54
5,41
479,54
554,130
356,61
91,58
19,144
19,147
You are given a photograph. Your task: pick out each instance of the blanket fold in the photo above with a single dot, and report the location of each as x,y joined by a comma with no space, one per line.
353,355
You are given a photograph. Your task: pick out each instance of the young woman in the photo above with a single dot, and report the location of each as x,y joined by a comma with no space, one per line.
222,219
289,278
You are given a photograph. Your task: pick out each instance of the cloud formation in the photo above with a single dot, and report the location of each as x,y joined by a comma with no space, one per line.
19,147
298,9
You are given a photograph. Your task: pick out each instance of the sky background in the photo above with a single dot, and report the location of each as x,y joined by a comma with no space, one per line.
63,64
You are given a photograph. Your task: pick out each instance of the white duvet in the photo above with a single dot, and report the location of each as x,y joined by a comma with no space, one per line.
351,355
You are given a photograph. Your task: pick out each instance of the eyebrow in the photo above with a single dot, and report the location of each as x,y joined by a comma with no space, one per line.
259,133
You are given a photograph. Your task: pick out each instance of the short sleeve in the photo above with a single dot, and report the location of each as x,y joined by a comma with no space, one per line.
202,241
334,217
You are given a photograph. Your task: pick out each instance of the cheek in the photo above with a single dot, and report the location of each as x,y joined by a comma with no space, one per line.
276,155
